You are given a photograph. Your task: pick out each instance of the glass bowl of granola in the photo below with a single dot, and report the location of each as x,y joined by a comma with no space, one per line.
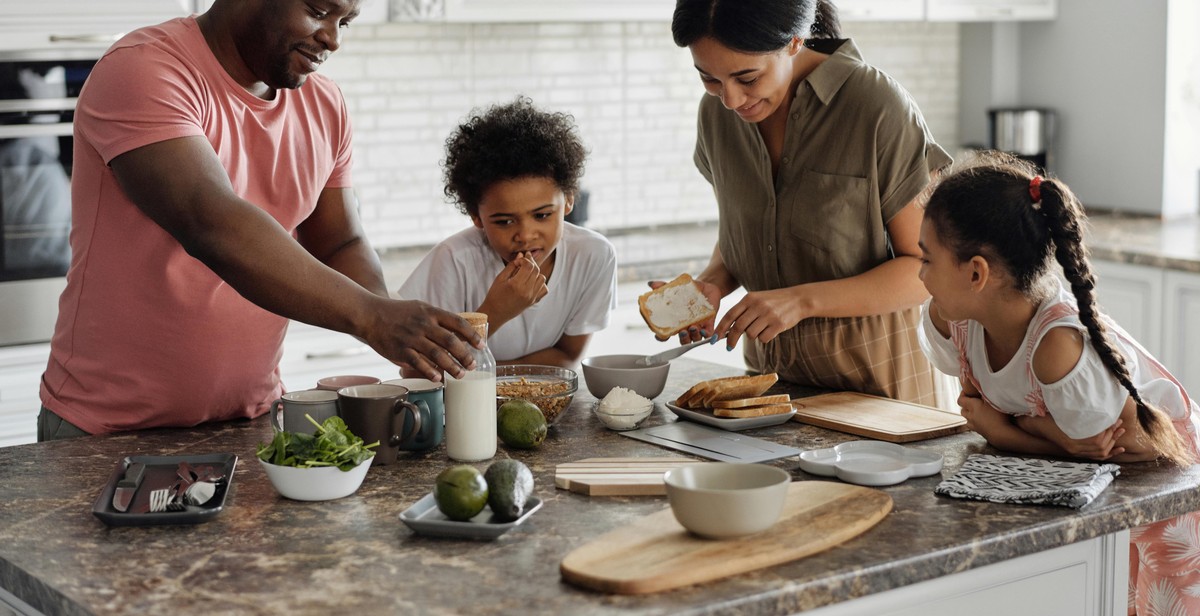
549,387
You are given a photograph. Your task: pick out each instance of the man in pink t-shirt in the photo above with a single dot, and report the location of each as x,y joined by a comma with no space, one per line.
211,202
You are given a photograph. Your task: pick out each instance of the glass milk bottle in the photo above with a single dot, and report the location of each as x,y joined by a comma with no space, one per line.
471,403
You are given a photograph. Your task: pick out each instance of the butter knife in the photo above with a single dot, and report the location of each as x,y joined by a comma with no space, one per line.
668,355
128,485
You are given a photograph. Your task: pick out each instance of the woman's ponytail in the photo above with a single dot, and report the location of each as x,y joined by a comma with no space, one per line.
1063,214
827,24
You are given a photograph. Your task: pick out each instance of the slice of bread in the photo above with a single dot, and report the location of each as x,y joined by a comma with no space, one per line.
693,392
733,388
748,402
675,306
755,411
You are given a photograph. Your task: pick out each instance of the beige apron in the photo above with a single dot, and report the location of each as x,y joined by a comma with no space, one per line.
876,355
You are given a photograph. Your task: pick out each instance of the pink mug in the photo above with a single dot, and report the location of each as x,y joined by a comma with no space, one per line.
334,383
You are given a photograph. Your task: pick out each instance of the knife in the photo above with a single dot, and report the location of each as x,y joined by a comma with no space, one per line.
128,486
668,355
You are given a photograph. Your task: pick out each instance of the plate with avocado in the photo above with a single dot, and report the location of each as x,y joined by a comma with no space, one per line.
424,518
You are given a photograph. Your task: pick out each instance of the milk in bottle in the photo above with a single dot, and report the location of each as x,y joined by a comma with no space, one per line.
471,403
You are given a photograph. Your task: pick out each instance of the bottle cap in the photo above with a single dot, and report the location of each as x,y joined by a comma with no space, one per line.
478,320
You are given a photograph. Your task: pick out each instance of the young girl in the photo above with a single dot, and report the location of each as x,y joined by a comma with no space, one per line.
1043,371
545,284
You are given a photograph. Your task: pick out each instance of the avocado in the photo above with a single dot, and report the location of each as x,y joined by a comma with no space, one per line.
509,486
520,424
460,492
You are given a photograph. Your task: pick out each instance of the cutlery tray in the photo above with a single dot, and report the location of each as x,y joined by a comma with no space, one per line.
161,473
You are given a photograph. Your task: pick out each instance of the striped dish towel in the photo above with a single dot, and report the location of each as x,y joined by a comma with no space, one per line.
1002,479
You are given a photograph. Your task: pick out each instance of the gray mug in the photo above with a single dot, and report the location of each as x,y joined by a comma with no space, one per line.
287,412
383,413
434,429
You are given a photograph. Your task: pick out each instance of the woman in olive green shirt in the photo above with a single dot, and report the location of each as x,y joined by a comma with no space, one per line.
816,159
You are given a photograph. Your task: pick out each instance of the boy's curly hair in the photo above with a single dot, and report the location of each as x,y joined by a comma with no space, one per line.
510,141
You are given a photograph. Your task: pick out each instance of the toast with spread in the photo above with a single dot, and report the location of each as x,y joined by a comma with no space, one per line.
675,306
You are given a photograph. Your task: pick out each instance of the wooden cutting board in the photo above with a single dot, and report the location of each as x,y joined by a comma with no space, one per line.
655,553
876,417
617,476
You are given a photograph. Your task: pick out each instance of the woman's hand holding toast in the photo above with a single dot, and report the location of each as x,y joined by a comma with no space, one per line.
704,329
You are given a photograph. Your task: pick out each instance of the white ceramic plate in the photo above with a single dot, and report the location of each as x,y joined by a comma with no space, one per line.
871,463
425,519
730,423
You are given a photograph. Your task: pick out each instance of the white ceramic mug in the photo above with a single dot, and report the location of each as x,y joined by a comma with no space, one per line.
288,412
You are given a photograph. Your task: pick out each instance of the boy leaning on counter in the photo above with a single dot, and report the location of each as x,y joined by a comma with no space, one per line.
545,284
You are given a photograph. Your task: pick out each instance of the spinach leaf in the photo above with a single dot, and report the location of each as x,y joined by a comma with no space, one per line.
333,445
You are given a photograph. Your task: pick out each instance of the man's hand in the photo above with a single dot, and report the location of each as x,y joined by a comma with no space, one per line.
518,286
423,340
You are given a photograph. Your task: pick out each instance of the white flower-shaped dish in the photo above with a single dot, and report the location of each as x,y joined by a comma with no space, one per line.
871,463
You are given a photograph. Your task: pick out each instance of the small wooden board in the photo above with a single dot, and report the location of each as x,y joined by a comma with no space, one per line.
617,476
876,417
655,553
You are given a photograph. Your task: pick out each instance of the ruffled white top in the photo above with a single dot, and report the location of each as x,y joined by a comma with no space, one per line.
1085,401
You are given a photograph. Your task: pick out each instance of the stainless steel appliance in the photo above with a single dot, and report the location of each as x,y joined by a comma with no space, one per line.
1026,132
38,92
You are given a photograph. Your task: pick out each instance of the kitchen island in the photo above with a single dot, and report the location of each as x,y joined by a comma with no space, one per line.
266,554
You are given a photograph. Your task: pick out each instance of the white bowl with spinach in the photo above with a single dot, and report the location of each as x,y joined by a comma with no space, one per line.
329,464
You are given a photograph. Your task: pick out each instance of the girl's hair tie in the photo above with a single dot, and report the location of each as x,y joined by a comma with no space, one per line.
1035,188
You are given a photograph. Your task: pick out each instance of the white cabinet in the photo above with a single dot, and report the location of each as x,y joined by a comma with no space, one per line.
484,11
310,353
541,10
1089,578
990,10
1181,328
83,25
881,10
21,369
1133,296
1160,309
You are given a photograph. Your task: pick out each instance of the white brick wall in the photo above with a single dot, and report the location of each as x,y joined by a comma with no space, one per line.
632,92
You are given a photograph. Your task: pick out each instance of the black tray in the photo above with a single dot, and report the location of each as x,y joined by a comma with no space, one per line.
160,473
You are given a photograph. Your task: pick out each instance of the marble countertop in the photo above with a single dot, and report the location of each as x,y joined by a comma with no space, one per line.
267,554
1142,240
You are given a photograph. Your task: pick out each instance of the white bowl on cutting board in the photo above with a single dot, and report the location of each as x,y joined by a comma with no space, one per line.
720,500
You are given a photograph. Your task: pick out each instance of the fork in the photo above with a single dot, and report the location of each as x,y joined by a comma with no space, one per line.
160,499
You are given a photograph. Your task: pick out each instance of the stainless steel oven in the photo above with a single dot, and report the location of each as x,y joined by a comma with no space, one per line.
38,92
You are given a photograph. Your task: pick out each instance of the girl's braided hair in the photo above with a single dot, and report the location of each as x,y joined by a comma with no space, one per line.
987,208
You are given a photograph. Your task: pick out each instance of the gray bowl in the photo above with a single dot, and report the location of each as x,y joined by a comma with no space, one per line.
604,372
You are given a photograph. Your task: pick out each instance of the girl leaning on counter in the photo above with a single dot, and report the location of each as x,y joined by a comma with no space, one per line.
816,159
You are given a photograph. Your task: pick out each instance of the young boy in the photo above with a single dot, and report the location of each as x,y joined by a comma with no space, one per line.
545,284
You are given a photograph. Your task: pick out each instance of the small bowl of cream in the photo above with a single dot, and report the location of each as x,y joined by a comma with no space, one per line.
623,409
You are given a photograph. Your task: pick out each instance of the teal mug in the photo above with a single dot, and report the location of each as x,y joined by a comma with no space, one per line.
429,394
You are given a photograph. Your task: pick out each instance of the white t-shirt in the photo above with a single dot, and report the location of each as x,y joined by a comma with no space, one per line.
1084,402
457,274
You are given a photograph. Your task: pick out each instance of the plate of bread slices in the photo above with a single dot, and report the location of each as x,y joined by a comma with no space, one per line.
734,403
